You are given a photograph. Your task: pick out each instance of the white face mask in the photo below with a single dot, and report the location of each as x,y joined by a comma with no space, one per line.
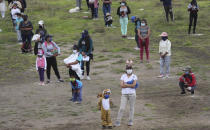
143,24
129,71
74,51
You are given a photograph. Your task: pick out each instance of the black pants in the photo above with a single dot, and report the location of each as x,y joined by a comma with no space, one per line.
168,10
92,9
87,1
51,61
26,47
193,18
87,67
183,87
137,40
73,73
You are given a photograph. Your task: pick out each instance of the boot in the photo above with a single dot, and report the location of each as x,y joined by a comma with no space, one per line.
194,30
189,29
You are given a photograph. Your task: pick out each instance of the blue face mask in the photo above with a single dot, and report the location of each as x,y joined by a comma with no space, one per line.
106,96
50,39
187,72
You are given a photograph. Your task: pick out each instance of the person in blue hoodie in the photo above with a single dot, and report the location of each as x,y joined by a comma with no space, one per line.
168,9
76,89
85,45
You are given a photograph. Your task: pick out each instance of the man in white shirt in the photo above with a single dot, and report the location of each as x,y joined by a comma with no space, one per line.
165,55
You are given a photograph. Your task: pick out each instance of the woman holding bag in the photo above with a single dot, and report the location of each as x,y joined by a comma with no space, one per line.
51,50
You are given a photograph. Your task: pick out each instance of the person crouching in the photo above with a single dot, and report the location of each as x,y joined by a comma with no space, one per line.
76,89
187,81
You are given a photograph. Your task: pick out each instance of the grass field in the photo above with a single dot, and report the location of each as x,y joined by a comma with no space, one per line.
25,105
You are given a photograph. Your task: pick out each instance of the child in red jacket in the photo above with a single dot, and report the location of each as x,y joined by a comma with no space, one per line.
187,81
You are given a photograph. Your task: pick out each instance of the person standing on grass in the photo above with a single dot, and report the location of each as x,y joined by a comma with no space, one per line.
187,81
3,8
193,9
73,62
137,22
79,4
26,28
87,1
165,55
23,3
18,20
144,33
128,95
14,12
93,4
42,32
76,90
41,66
85,45
106,7
51,51
168,9
123,11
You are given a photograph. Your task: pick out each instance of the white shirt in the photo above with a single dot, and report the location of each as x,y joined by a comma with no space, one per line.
165,46
106,104
125,79
13,13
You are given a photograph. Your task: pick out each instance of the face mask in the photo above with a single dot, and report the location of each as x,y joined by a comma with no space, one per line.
187,72
40,26
40,56
129,71
50,39
74,51
72,79
143,24
106,96
164,38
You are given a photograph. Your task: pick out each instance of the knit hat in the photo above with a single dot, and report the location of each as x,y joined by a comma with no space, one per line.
107,91
41,22
187,68
164,34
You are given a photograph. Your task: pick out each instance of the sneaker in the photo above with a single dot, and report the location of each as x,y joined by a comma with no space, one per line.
103,127
40,83
43,84
167,76
82,77
48,81
60,80
88,78
136,48
117,123
183,92
160,76
130,123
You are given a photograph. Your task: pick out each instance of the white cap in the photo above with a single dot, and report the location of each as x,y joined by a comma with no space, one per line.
41,22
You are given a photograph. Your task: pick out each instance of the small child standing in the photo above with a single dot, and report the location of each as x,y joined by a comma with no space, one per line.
18,20
76,89
108,20
104,105
41,66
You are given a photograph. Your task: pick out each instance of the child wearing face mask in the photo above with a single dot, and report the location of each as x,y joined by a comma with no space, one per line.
187,81
41,66
76,89
165,55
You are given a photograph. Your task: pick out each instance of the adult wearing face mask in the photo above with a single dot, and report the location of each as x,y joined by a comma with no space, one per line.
73,62
85,45
26,28
42,32
165,55
187,81
128,95
144,33
51,51
123,11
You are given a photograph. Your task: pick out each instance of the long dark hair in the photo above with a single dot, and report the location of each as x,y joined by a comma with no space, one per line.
194,2
86,39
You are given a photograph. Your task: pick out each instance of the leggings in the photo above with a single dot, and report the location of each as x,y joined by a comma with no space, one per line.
87,1
87,67
168,10
41,74
193,17
143,45
51,61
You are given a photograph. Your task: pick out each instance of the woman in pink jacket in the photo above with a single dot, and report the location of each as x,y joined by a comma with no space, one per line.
41,66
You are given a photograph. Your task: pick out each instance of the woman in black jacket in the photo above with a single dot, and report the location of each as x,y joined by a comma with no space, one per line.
123,11
193,9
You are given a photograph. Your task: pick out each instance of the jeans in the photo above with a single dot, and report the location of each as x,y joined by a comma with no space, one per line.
106,9
183,86
51,61
168,10
144,44
165,62
19,38
77,96
193,17
41,74
124,23
79,3
96,12
131,98
137,40
87,67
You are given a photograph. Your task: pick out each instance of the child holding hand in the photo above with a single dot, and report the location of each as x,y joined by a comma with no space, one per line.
41,66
